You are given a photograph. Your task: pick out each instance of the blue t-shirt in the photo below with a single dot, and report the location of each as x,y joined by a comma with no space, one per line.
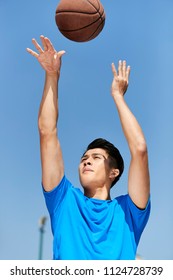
91,229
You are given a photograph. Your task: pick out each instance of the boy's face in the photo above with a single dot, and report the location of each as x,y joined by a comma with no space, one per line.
94,169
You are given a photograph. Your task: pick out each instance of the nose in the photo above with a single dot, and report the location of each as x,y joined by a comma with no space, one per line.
87,162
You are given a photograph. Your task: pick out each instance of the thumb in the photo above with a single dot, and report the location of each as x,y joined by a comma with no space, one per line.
61,53
114,69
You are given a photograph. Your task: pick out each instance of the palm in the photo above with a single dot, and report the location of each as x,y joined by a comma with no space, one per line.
120,80
119,84
50,61
48,57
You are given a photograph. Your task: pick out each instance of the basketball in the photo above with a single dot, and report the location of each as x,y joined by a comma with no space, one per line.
80,20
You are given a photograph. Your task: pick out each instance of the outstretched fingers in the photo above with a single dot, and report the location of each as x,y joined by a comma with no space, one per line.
114,69
32,52
123,69
127,72
121,76
120,68
47,46
47,43
37,46
44,43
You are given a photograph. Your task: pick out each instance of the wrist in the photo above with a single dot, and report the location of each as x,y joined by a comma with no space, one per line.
52,75
119,100
117,95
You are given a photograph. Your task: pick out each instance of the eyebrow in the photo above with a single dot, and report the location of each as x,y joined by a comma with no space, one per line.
94,154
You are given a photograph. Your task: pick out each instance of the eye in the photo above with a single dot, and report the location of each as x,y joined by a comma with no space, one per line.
83,159
97,157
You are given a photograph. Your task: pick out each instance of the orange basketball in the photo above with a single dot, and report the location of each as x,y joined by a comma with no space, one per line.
80,20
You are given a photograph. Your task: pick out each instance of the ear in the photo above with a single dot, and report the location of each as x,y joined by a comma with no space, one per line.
114,173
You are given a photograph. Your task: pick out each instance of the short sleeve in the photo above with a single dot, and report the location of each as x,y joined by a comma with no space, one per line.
139,217
55,197
135,217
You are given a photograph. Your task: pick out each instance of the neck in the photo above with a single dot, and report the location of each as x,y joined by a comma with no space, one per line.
102,194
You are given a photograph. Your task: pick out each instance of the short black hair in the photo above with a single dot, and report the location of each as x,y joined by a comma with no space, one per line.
114,156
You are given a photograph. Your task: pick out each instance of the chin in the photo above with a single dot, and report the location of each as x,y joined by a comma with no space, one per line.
88,184
85,184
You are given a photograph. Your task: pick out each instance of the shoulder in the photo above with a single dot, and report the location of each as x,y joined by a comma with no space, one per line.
55,197
126,199
134,215
136,218
63,185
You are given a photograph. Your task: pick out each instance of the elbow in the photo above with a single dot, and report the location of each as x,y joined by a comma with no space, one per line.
46,129
140,148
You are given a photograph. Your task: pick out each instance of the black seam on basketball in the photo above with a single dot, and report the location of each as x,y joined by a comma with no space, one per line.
98,10
72,30
80,12
93,4
76,12
90,37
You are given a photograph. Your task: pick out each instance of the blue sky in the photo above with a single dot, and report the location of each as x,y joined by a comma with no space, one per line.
140,32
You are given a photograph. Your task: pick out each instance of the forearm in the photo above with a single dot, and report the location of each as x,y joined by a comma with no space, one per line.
130,126
48,113
138,178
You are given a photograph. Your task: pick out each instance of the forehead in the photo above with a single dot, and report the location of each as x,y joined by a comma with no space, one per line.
96,151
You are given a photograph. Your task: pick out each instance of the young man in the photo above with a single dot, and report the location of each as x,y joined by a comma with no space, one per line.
91,226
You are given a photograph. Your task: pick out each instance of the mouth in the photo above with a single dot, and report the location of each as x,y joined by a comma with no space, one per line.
87,170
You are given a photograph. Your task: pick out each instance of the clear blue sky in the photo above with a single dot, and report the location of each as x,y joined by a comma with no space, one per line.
139,31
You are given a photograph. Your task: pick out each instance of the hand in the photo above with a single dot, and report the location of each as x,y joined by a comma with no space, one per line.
48,57
121,78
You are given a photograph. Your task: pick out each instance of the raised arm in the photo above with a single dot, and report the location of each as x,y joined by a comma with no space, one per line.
51,154
138,180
